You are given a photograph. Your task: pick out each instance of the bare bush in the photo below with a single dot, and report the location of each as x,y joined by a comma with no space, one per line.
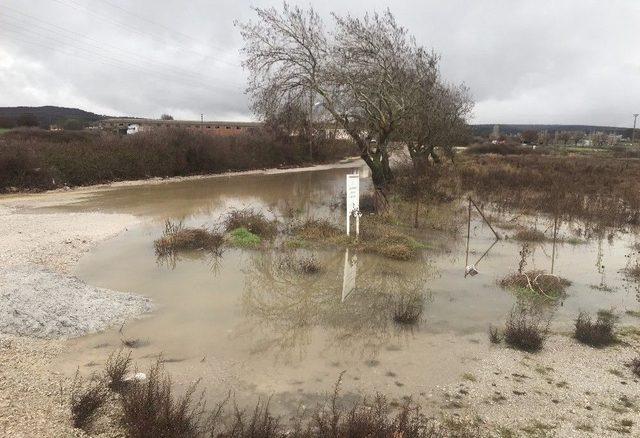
117,367
596,334
525,330
151,409
86,401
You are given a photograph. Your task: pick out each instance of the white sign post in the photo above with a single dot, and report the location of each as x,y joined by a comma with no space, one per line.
353,201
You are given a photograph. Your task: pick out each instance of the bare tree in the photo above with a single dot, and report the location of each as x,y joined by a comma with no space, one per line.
166,117
438,119
359,73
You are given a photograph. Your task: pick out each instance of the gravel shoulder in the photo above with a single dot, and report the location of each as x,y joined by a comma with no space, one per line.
39,298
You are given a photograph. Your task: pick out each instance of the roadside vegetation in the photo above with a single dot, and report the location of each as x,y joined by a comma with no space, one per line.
36,159
151,407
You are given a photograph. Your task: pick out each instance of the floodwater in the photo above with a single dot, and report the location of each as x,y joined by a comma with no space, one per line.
241,323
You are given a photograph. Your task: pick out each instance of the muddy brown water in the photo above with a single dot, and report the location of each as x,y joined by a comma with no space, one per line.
237,323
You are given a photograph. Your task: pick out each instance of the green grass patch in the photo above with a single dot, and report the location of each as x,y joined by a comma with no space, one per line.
244,238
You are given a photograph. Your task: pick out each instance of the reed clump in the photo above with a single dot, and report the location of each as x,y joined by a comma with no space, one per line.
176,237
251,220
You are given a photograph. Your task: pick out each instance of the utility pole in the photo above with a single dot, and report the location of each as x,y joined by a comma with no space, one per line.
201,121
633,133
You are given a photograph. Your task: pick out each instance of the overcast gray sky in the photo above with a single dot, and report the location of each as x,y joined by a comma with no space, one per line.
526,61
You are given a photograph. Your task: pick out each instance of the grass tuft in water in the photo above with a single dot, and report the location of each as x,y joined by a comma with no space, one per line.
251,220
244,238
408,309
536,284
176,238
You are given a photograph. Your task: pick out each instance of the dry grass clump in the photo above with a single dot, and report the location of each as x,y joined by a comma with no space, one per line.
529,235
176,238
317,229
151,409
596,334
253,221
536,284
116,368
86,401
525,330
408,309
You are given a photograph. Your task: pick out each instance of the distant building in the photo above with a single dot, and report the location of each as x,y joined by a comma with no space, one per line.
133,126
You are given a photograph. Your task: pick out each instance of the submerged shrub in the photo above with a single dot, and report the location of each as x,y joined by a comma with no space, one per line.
86,401
596,334
525,330
177,238
536,284
316,229
151,409
244,238
251,220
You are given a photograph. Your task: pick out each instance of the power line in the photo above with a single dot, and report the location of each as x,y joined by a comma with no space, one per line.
77,6
106,59
61,31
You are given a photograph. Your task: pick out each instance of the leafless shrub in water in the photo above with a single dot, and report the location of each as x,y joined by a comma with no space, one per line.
596,334
86,401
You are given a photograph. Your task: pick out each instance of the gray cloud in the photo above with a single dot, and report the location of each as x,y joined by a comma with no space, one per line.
562,61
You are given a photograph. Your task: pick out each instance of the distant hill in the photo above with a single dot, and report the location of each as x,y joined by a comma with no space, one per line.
485,129
48,115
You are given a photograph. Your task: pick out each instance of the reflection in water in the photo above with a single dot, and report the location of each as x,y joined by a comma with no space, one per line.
284,306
